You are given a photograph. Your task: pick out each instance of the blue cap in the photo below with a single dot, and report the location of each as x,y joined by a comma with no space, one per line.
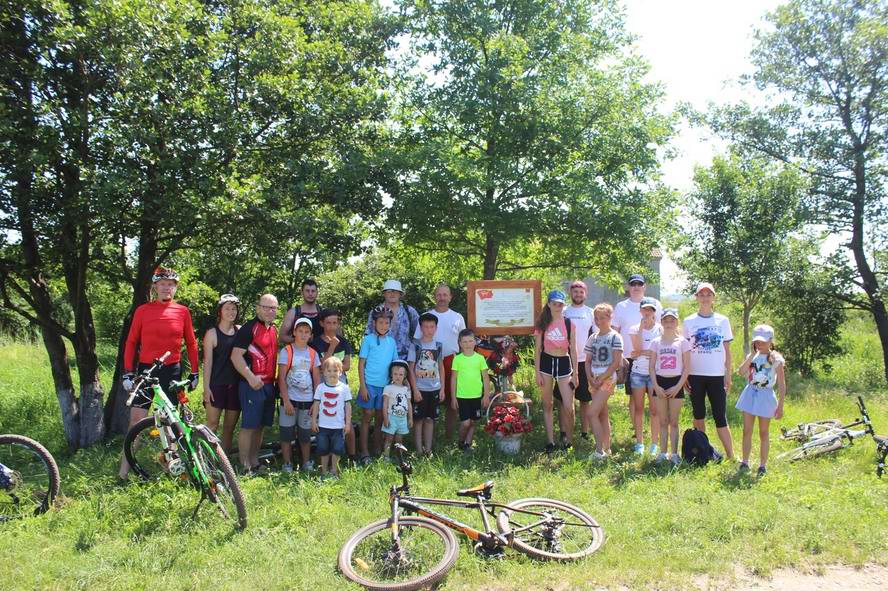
557,295
637,278
648,303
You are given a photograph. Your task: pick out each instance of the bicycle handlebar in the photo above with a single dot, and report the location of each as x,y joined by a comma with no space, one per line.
137,385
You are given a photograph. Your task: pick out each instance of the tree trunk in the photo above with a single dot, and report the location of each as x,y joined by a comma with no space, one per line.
747,311
64,388
491,252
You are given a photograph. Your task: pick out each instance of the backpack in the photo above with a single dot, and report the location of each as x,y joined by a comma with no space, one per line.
696,449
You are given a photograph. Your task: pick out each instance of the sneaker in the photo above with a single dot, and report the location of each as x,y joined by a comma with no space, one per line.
550,448
743,468
654,449
307,466
676,459
585,436
638,448
466,448
662,457
287,469
260,469
761,471
598,456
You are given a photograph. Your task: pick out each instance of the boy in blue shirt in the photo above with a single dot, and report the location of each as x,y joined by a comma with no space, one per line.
377,353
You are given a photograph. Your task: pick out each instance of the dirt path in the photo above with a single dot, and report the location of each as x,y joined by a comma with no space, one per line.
871,577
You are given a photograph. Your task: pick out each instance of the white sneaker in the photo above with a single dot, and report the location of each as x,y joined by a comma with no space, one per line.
676,459
662,457
287,469
639,449
307,466
654,449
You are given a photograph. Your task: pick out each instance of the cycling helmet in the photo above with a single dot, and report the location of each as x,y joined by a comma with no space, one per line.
164,273
398,363
228,297
381,311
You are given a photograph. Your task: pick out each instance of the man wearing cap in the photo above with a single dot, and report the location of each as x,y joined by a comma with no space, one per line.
628,313
450,324
406,318
710,336
580,315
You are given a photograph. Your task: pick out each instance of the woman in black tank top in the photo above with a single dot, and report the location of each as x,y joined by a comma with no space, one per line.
220,385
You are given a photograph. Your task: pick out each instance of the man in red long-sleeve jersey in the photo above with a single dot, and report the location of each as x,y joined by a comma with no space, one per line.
158,327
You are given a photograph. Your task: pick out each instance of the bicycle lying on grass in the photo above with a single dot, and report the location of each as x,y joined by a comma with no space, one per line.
167,441
403,553
29,478
826,436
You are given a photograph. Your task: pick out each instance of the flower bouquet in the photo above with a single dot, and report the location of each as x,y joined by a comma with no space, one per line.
507,425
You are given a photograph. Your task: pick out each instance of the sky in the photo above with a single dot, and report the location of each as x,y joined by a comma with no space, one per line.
696,49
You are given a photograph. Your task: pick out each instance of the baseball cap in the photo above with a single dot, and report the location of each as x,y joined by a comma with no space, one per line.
763,332
578,283
303,320
648,303
637,278
556,295
704,285
673,312
393,285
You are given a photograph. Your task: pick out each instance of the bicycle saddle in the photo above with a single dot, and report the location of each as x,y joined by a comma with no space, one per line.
482,490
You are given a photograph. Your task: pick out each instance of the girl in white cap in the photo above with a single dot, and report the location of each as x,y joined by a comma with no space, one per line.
764,368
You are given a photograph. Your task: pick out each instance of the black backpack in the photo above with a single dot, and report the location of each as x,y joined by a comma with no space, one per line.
696,449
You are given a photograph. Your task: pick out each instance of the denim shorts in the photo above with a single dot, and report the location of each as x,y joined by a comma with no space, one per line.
257,406
636,380
375,400
397,426
330,441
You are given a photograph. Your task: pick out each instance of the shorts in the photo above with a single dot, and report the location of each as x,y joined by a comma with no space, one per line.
375,400
330,441
667,382
636,380
397,426
448,378
165,375
759,402
712,387
257,406
469,409
428,408
608,384
299,422
225,397
556,367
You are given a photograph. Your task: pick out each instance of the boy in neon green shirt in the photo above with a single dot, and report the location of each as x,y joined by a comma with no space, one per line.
470,387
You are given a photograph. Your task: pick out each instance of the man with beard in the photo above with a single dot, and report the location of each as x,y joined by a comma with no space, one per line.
309,308
580,316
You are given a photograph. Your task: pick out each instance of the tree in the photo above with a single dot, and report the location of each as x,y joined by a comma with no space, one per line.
823,65
526,122
746,208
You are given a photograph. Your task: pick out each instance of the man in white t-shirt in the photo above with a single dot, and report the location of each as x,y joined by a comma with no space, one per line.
450,323
580,316
628,313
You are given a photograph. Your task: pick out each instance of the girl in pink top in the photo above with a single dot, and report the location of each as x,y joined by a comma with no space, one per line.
555,362
670,363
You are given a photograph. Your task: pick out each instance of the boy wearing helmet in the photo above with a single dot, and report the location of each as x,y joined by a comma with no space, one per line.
378,350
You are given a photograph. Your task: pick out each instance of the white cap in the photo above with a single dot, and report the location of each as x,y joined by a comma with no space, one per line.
763,333
303,320
393,285
704,285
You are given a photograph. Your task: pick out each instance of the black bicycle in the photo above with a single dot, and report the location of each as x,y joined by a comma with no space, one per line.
415,547
29,477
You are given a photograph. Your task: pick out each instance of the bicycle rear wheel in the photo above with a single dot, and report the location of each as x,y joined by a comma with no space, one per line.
550,530
813,449
808,431
143,449
427,551
29,483
224,488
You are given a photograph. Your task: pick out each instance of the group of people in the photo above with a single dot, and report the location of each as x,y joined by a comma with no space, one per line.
411,366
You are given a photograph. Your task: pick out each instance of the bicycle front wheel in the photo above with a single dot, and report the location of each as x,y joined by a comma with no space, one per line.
29,482
143,449
808,431
427,550
224,488
550,530
813,449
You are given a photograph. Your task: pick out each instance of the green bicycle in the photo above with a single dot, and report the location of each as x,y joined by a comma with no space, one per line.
167,441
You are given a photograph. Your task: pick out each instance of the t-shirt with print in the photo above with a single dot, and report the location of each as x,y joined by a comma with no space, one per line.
600,350
582,319
379,352
396,399
670,363
342,350
626,315
707,335
260,344
469,383
331,404
300,386
426,357
763,373
450,323
641,365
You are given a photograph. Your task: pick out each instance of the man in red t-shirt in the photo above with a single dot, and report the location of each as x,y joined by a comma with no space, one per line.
254,356
158,326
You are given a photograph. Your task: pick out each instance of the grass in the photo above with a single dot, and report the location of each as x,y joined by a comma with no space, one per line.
664,527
